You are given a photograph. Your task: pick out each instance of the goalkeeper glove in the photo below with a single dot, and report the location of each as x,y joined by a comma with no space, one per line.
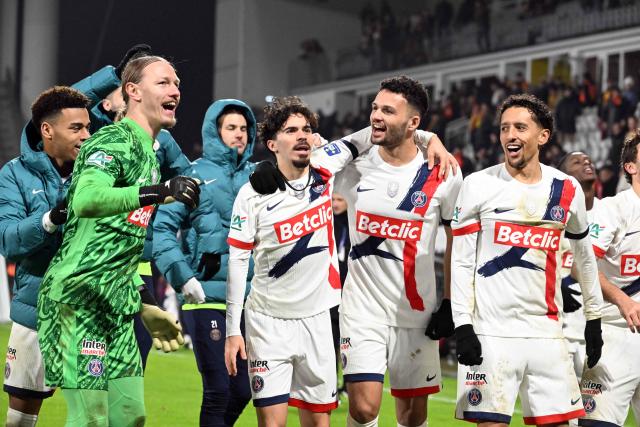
165,330
193,292
593,342
209,265
569,302
266,178
468,347
441,324
181,188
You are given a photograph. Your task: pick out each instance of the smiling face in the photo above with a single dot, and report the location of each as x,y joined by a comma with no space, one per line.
580,166
521,138
64,133
391,119
292,143
233,131
156,96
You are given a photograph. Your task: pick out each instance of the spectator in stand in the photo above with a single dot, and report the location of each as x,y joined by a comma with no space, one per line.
587,91
443,16
629,93
567,110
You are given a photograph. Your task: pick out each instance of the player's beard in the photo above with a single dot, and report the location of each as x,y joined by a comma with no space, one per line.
393,137
301,164
521,163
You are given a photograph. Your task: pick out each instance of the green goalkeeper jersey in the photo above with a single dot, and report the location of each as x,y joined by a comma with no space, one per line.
106,227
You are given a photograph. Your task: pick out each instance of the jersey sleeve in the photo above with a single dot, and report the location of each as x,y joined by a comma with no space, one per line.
242,230
605,227
465,224
335,155
577,222
102,165
448,202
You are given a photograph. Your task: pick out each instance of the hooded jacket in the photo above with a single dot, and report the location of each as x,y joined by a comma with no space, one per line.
29,187
204,230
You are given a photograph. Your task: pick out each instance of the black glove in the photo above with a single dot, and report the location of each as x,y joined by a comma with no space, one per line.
593,342
266,178
135,52
181,188
441,324
569,302
468,347
210,263
58,214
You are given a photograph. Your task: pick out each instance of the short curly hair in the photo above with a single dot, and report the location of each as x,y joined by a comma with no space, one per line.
412,90
540,112
50,102
277,112
629,152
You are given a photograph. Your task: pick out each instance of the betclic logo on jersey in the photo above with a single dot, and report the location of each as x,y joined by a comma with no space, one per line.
388,228
305,223
524,236
630,265
141,216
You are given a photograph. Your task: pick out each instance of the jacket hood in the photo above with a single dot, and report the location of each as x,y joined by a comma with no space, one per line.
213,147
31,150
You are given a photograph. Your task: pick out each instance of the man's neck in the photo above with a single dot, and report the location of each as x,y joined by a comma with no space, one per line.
290,172
63,168
589,190
400,154
143,122
530,174
635,184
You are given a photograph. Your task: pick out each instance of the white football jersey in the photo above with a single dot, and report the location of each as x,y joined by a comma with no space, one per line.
616,242
511,287
394,213
573,323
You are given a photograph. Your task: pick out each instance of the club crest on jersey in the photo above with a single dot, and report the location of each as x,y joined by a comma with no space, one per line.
331,149
237,221
95,367
474,397
589,404
524,236
99,158
392,189
557,213
630,265
418,199
257,383
304,223
141,216
7,371
318,187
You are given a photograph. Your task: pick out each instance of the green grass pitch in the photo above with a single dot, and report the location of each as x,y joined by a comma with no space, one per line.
173,392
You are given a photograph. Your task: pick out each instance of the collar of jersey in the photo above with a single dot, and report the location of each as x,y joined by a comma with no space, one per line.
140,133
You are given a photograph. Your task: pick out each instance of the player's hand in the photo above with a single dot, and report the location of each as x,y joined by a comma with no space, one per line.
437,153
192,292
266,178
593,342
58,214
468,347
135,51
630,310
209,265
181,188
232,346
317,140
441,324
569,302
165,329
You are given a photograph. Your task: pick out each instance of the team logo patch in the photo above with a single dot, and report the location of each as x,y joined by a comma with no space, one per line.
392,189
237,221
299,188
215,334
474,397
419,199
318,187
95,367
331,149
595,229
7,371
343,360
257,383
589,404
557,213
456,214
99,158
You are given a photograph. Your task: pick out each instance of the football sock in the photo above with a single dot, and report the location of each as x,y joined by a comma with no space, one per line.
86,407
353,423
19,419
126,402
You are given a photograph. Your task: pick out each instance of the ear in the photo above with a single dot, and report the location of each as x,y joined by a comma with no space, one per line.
106,104
630,168
271,145
133,91
46,131
414,122
544,137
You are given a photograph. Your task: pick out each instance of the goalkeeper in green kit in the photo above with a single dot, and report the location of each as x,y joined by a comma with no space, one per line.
91,291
